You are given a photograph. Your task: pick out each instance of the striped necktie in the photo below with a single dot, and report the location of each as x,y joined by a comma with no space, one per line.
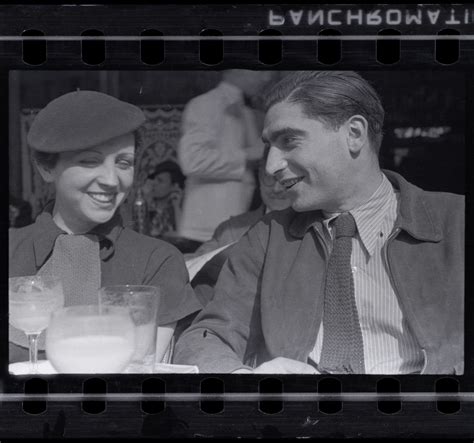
342,350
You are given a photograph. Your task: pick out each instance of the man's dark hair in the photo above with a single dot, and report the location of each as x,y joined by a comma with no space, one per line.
332,97
173,169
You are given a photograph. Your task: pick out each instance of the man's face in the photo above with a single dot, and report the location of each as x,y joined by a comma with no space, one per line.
274,195
162,185
309,159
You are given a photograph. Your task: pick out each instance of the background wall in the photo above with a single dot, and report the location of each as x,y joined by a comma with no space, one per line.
424,130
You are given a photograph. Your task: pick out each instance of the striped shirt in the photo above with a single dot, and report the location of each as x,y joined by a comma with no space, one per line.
389,345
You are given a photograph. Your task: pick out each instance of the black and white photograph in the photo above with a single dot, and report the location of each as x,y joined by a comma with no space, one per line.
236,221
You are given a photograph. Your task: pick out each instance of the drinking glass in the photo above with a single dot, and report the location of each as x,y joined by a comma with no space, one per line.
31,300
142,302
90,339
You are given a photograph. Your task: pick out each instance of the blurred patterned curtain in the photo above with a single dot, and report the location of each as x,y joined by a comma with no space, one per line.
157,143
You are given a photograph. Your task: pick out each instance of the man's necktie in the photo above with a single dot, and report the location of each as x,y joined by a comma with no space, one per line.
342,350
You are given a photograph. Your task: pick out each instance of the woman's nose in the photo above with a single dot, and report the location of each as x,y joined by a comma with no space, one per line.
108,175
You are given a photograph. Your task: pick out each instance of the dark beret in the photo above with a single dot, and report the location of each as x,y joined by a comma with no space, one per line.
82,119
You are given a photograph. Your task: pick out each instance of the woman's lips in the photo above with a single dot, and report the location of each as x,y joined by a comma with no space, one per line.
102,197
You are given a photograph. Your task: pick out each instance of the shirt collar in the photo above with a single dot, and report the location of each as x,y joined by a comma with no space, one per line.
369,216
48,231
416,214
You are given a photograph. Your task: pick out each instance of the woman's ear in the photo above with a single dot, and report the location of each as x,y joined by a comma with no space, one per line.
45,172
357,133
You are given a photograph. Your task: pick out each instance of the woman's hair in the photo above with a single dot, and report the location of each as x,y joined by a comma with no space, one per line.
332,97
46,159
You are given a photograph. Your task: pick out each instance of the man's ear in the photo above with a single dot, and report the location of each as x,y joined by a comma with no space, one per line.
45,172
357,133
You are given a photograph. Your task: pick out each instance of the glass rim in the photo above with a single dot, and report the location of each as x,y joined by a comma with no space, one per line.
35,277
130,288
90,309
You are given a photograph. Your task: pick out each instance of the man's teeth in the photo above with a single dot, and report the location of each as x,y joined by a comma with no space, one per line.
290,182
106,198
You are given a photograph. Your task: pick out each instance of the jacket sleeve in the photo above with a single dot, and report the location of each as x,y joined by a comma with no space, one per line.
166,270
199,152
217,340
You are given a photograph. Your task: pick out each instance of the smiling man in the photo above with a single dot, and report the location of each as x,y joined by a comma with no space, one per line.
364,274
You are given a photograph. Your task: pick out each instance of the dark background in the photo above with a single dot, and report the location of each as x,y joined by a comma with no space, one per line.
412,99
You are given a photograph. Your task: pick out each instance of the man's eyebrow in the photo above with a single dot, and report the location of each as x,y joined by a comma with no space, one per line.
292,132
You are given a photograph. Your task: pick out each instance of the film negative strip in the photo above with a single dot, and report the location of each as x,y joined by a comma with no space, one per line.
415,375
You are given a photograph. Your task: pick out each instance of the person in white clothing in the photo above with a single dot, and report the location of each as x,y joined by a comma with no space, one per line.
219,147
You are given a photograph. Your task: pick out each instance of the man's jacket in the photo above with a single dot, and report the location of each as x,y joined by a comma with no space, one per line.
269,297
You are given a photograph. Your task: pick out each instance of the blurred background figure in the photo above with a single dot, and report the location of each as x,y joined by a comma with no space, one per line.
163,191
19,212
218,152
274,197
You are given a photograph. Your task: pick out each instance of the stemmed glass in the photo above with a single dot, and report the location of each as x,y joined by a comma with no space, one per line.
31,300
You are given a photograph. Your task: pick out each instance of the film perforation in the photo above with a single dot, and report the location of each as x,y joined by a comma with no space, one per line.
94,385
93,51
270,52
447,51
152,52
212,385
330,385
388,51
35,385
34,52
447,385
270,385
211,52
329,51
153,385
389,385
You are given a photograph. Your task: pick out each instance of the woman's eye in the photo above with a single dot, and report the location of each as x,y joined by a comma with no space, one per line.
125,164
89,161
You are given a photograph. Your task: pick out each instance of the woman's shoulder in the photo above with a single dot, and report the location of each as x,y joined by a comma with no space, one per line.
146,245
17,236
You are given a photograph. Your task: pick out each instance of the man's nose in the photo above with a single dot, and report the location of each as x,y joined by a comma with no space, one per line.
275,161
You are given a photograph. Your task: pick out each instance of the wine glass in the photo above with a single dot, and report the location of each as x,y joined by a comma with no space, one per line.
31,300
143,303
90,339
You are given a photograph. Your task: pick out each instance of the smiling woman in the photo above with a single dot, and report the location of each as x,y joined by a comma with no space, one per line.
84,144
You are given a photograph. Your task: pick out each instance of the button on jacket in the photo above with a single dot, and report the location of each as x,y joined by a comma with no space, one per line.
269,298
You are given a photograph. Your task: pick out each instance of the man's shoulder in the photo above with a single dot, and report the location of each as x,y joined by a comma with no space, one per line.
276,220
446,204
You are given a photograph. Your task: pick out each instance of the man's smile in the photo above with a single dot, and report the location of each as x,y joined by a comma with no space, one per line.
290,182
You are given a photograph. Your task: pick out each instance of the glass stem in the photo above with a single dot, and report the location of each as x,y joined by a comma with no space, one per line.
33,346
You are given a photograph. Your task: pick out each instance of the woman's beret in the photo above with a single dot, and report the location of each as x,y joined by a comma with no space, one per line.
82,119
